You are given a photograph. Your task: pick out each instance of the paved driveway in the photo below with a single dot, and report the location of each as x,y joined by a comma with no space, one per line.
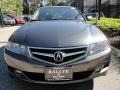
109,82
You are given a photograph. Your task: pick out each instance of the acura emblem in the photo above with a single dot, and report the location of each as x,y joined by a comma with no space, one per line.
58,56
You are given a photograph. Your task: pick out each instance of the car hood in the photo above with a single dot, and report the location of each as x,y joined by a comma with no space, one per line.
52,34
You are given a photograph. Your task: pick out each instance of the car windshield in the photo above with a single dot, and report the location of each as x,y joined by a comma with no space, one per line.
56,13
6,17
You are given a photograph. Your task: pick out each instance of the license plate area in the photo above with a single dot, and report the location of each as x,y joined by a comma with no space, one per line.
58,73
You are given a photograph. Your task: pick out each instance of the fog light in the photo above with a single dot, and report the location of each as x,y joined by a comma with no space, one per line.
99,68
18,72
104,70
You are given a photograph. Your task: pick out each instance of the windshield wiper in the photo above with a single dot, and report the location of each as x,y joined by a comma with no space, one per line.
60,19
54,19
33,20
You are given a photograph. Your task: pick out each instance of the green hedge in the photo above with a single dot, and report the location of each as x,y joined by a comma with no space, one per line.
110,26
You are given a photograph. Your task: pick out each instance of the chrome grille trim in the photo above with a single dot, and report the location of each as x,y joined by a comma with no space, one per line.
65,55
43,54
57,49
71,54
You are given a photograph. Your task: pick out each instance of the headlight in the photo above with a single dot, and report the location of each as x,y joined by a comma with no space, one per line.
16,48
98,47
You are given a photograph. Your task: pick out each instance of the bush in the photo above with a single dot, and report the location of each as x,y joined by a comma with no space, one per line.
110,26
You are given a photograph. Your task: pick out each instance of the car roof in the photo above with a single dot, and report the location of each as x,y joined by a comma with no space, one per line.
57,7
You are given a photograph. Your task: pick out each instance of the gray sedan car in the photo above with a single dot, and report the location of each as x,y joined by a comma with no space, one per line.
57,46
8,20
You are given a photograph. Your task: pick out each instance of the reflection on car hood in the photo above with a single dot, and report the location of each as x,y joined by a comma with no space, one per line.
53,33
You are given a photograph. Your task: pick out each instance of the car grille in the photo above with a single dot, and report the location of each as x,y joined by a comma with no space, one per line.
47,54
41,76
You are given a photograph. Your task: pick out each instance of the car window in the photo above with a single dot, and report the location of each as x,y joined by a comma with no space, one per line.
6,17
94,14
56,14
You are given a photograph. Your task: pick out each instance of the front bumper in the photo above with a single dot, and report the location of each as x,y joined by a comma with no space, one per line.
9,22
87,69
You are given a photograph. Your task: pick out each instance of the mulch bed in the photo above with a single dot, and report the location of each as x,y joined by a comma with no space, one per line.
115,41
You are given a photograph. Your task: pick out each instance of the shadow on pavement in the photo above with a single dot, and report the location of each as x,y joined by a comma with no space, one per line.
11,83
78,86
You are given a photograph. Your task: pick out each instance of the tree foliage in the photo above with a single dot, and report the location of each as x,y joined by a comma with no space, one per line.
110,26
53,2
11,6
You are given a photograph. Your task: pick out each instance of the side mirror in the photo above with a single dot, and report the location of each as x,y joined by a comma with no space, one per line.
89,18
27,18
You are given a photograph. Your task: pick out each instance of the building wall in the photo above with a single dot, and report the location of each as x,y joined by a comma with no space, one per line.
111,8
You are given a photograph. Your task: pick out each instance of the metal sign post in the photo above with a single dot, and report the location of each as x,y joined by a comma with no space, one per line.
99,9
1,18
